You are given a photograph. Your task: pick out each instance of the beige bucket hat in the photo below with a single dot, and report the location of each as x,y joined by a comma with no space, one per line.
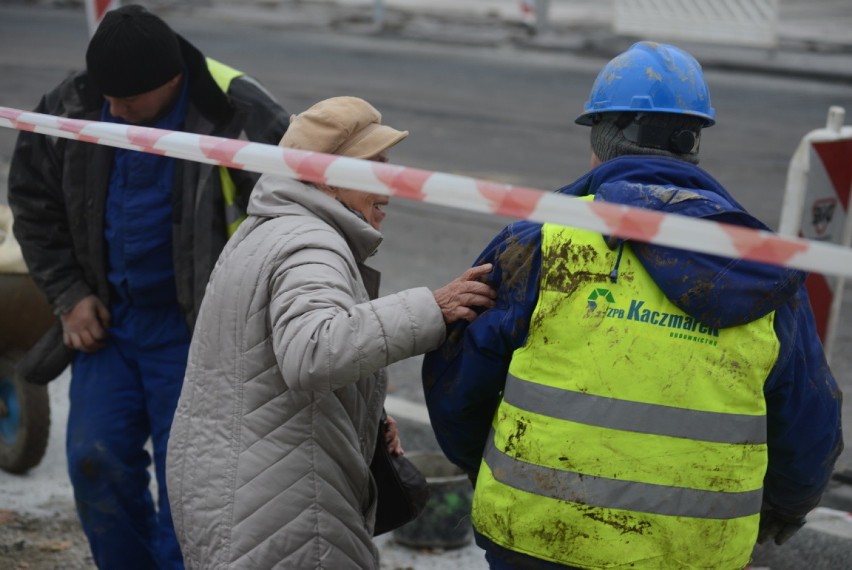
346,126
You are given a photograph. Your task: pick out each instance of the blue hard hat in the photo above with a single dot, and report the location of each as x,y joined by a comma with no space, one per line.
650,78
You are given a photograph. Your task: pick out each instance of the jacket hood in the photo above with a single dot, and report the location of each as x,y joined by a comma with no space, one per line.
718,291
275,196
203,90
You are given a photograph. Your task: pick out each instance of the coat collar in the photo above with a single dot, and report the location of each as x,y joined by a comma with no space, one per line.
276,196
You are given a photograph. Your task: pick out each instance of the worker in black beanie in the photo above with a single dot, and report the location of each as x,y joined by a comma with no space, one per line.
133,52
122,243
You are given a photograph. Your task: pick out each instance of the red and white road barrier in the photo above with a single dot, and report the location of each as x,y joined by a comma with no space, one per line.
453,191
95,10
818,205
535,13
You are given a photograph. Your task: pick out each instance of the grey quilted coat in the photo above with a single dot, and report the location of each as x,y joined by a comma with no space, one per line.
271,442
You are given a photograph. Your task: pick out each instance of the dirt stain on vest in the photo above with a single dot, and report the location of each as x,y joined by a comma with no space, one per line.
625,524
562,267
514,440
559,534
564,263
504,526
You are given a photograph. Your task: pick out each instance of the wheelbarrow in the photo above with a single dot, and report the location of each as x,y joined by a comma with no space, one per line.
25,316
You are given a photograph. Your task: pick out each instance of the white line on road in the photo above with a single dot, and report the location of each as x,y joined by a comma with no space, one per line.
401,408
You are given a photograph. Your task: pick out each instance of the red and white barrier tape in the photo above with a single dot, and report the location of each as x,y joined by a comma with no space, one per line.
459,192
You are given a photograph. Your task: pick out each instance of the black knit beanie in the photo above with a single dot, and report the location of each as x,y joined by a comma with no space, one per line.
608,140
132,52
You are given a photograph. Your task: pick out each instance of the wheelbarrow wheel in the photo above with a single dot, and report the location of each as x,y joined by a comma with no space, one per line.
24,419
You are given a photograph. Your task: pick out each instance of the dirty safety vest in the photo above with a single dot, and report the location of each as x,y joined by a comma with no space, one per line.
629,434
223,75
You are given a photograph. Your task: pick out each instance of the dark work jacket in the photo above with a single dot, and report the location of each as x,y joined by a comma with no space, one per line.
58,188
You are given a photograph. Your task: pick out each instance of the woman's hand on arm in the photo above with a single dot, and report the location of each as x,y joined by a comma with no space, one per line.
459,298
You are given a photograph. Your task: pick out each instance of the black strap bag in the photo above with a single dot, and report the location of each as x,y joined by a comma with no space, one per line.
402,488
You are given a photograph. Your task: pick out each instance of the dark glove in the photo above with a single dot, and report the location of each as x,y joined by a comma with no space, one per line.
778,527
47,358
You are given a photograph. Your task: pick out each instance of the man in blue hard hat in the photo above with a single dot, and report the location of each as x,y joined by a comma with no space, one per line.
632,405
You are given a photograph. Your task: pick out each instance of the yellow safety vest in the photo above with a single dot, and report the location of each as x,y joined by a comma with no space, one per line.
629,434
223,75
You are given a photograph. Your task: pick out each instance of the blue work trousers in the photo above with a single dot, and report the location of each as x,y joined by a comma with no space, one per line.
120,396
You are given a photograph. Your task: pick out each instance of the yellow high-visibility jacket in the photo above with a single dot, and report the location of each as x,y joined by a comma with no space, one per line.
629,434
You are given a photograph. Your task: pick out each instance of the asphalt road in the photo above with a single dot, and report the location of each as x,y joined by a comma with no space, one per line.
499,114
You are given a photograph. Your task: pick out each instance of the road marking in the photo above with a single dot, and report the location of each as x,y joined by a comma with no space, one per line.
400,408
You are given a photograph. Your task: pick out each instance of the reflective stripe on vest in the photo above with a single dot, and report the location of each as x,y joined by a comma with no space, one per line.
234,216
629,434
635,416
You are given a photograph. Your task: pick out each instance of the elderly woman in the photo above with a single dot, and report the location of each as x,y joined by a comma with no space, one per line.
268,462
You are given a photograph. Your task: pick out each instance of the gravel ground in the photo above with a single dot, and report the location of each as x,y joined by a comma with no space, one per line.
54,541
43,542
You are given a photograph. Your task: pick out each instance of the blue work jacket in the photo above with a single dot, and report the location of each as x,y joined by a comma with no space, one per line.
138,217
464,378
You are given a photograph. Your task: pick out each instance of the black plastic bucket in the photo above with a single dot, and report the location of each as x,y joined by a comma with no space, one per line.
445,522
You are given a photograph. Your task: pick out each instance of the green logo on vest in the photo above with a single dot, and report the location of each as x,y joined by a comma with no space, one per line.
593,305
680,326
